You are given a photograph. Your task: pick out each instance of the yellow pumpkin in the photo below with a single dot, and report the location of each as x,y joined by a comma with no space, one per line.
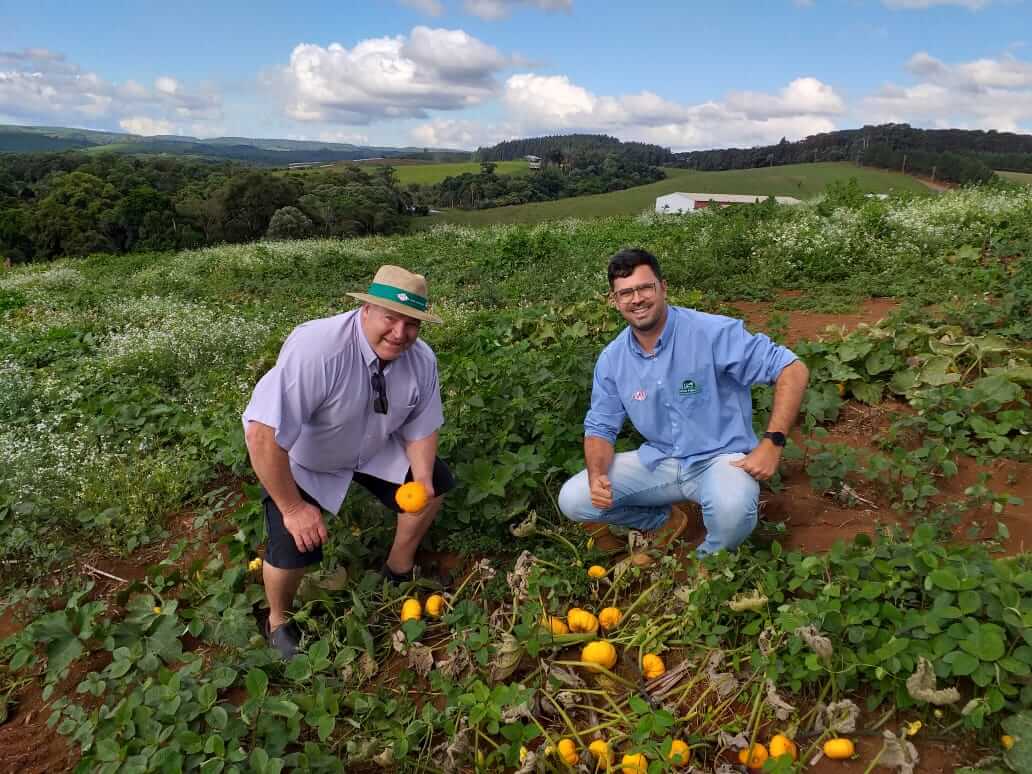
1007,741
634,764
435,606
596,571
568,752
600,750
609,618
411,497
782,745
556,625
652,666
680,754
410,610
754,757
839,749
599,652
581,621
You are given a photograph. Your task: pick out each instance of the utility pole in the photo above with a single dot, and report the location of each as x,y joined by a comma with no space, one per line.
904,164
933,174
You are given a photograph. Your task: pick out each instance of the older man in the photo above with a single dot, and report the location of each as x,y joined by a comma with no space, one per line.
683,378
353,397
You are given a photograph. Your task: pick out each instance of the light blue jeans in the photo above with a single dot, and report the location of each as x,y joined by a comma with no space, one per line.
642,498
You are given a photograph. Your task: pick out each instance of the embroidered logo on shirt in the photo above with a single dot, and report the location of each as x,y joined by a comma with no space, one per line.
688,387
403,296
640,395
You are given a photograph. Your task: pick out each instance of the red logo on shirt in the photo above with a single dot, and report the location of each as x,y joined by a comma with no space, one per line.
640,395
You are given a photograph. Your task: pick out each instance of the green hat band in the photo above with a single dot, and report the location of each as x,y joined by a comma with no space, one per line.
391,293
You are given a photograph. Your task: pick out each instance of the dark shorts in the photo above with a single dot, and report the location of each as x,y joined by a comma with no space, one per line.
281,550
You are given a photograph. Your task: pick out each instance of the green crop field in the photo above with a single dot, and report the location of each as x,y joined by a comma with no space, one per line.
802,181
426,174
885,596
1020,177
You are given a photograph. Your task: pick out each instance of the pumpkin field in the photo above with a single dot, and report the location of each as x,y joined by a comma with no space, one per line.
879,619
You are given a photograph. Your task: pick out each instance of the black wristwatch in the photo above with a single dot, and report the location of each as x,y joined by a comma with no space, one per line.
776,438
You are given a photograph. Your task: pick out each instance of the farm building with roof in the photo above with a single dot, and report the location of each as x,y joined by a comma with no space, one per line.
690,202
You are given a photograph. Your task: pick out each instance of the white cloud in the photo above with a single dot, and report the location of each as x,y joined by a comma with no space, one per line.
397,77
983,93
459,134
540,104
38,85
429,7
146,126
801,96
353,138
492,10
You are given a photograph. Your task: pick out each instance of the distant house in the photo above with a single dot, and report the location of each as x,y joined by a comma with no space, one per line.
533,162
690,202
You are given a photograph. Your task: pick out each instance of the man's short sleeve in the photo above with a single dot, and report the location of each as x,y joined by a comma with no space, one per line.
428,415
749,358
607,413
290,393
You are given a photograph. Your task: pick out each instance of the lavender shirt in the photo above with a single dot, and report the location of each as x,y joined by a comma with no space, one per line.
319,399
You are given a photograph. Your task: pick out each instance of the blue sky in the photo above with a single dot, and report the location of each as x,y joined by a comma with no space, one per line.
459,73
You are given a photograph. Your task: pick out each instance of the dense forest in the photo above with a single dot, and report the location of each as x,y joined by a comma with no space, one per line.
579,174
957,155
74,203
564,147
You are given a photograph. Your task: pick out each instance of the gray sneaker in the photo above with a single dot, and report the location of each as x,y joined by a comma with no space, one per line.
285,639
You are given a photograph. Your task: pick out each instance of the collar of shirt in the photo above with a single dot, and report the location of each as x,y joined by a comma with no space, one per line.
369,355
666,337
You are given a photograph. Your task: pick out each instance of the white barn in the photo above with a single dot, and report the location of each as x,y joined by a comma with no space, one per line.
690,202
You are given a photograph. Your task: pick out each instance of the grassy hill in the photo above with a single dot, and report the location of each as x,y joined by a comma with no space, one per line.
803,181
1020,177
427,174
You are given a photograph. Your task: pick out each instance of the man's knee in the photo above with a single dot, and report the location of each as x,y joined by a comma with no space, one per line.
575,498
731,510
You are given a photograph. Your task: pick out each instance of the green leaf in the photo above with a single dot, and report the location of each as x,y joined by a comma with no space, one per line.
945,579
257,683
867,392
969,602
879,361
987,643
962,664
936,372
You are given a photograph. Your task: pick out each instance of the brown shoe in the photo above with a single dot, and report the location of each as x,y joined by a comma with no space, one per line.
662,537
605,541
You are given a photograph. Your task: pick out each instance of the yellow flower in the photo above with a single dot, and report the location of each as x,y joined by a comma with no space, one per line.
596,571
1007,741
157,610
913,728
523,754
591,543
254,564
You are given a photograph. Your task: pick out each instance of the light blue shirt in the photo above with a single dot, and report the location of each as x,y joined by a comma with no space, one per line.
690,398
319,398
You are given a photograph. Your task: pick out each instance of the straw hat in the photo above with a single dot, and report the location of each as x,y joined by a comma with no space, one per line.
399,290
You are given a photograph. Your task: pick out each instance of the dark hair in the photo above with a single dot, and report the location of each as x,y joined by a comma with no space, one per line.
623,263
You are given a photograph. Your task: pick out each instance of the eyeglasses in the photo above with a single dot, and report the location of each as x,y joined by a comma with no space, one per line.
380,386
625,295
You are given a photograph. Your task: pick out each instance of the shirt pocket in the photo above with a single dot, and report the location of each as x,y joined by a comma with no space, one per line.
413,398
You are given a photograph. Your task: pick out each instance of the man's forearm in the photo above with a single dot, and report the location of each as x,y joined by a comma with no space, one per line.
421,456
598,456
272,464
788,396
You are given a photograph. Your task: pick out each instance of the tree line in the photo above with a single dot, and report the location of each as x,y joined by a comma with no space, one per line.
556,148
956,155
579,174
68,204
